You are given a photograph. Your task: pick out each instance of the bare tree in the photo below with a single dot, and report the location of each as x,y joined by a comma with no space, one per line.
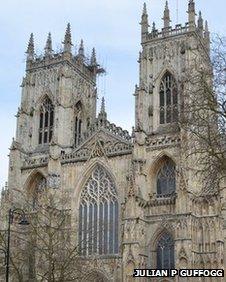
46,249
204,113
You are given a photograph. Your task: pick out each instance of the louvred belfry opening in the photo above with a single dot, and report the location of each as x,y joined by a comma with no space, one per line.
46,121
168,99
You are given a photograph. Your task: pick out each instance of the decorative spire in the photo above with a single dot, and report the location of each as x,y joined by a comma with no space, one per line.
144,9
207,36
166,17
48,48
191,14
67,39
200,22
102,115
93,61
144,22
207,33
154,30
30,48
81,52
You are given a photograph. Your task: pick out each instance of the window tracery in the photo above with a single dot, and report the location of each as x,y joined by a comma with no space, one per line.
78,123
37,189
46,121
98,215
165,252
166,179
168,99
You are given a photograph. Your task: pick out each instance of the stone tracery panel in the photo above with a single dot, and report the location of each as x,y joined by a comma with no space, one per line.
98,215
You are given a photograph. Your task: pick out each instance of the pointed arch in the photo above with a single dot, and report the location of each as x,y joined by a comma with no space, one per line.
34,185
78,109
163,248
96,276
168,98
163,175
85,174
166,179
98,214
164,227
41,99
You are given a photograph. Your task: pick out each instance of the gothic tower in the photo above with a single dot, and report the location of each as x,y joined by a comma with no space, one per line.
134,201
168,219
58,104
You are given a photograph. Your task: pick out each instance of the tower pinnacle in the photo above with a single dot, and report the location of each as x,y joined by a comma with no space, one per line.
166,17
191,14
144,22
200,23
30,48
48,47
81,49
102,115
67,39
207,36
93,61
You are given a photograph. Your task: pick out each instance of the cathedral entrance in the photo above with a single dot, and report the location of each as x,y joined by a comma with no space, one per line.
95,277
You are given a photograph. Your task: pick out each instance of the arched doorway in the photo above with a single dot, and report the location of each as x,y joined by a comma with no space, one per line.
95,276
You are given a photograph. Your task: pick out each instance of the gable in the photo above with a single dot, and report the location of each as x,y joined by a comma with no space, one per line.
101,144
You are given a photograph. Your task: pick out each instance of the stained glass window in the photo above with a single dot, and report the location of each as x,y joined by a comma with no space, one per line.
166,179
168,99
165,252
46,121
98,215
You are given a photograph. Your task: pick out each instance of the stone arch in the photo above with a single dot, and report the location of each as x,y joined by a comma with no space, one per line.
33,185
35,175
99,214
96,276
41,99
161,230
160,75
78,106
85,174
155,168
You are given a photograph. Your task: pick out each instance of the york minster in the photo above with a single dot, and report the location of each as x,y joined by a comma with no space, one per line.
88,200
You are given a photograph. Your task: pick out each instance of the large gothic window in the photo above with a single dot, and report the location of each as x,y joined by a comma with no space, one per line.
98,215
166,179
46,121
165,252
168,99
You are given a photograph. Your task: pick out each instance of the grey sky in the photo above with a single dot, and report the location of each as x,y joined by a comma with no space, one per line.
112,26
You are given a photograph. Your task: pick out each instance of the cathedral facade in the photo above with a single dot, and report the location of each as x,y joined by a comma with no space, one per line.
130,194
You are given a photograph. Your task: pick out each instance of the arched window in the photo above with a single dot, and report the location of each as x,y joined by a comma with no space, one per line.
166,179
78,130
98,215
78,123
46,121
165,252
36,187
168,99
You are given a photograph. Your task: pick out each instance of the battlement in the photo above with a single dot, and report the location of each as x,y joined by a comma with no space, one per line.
88,65
169,31
84,66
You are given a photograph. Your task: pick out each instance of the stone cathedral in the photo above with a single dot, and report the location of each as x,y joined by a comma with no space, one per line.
132,193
